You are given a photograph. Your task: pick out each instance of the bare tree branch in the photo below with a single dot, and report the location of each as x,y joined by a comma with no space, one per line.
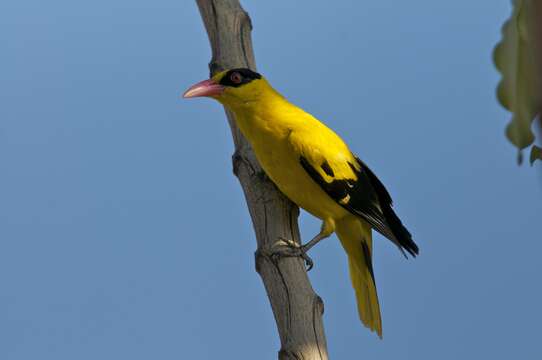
297,309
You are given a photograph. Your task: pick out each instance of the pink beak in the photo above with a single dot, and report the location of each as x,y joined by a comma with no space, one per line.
204,88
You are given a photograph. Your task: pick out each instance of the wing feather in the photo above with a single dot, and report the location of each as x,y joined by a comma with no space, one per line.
364,195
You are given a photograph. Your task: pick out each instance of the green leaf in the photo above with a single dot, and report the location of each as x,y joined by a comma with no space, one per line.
519,91
536,154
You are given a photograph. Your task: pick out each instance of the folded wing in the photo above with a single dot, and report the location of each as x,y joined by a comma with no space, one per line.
360,192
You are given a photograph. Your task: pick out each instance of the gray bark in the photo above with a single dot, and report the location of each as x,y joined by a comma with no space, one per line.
297,308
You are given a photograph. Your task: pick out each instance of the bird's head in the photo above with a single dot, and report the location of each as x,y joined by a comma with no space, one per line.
232,88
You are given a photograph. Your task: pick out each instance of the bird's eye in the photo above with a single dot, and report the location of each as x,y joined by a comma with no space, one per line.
236,78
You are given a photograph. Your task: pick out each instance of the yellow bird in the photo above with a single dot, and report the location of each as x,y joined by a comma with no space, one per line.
313,167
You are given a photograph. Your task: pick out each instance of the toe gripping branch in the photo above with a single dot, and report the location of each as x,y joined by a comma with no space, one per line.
287,248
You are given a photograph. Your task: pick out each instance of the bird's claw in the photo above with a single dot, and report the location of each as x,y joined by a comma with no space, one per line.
289,248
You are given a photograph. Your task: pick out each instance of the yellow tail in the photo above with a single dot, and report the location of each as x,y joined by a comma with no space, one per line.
355,236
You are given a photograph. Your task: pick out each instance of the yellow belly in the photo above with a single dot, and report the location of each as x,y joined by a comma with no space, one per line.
284,168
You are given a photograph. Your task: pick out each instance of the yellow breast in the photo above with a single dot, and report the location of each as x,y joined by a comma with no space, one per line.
271,140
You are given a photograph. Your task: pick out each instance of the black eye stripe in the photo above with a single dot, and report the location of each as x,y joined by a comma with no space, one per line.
246,76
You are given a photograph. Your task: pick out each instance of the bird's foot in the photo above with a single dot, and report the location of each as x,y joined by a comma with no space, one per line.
289,248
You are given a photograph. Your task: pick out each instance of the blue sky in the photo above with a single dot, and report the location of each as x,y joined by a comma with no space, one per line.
124,234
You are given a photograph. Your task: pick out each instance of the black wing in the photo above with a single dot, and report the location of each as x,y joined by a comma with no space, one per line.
367,198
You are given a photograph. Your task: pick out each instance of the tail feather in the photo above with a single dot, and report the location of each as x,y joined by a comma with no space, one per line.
356,239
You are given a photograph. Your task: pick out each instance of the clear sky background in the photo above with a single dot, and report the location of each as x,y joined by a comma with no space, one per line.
124,234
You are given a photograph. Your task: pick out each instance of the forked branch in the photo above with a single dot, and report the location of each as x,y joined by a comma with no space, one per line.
297,309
